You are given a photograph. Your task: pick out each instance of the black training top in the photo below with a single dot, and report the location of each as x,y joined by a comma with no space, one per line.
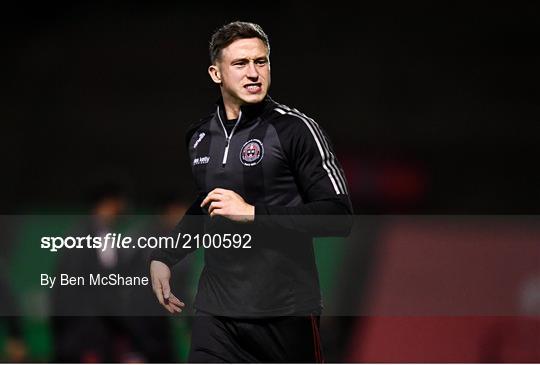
280,161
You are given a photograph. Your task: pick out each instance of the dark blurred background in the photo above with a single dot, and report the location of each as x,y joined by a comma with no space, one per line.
432,109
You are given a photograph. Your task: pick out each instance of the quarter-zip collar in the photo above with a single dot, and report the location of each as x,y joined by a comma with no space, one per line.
249,113
228,136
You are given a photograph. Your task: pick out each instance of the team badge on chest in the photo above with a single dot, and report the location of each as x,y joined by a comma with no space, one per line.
252,152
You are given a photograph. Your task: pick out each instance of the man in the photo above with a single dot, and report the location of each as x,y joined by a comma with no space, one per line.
264,168
93,330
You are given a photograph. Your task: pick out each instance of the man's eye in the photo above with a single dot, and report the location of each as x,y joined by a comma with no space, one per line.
261,62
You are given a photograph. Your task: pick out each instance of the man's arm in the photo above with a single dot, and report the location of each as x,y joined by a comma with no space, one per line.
191,223
162,259
326,209
325,218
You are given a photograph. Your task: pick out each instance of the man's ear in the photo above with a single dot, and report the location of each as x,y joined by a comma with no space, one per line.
214,73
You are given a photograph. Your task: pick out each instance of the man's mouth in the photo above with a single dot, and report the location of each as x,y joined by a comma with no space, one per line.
253,88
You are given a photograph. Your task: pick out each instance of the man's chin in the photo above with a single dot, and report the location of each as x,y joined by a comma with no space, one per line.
254,99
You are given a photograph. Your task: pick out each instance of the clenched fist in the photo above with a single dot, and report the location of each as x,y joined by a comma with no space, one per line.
228,204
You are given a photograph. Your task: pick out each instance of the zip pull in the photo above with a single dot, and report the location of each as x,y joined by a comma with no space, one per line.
226,152
227,135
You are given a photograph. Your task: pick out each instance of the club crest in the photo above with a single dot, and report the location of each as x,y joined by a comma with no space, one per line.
252,152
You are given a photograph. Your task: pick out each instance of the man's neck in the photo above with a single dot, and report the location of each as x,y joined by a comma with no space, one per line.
232,109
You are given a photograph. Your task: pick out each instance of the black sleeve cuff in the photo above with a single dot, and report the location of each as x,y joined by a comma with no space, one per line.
159,255
260,210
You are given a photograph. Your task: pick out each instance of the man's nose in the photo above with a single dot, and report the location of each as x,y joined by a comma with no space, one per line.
252,72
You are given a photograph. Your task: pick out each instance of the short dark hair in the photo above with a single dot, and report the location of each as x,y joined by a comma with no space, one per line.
233,31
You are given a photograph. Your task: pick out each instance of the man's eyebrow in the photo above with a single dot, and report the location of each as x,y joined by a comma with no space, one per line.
245,59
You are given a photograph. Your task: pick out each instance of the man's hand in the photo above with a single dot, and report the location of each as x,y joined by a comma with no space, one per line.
161,275
228,204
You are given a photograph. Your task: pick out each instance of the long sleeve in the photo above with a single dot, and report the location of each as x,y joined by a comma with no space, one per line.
326,208
192,223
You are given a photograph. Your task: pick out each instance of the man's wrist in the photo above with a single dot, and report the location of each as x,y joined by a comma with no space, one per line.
158,255
250,216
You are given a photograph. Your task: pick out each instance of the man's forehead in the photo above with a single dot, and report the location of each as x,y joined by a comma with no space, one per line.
246,47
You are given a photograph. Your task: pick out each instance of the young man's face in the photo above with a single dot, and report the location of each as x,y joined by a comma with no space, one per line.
243,71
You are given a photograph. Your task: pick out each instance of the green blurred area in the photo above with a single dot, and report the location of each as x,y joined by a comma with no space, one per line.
28,261
3,335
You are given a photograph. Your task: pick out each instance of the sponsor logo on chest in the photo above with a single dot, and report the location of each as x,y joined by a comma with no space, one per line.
201,160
